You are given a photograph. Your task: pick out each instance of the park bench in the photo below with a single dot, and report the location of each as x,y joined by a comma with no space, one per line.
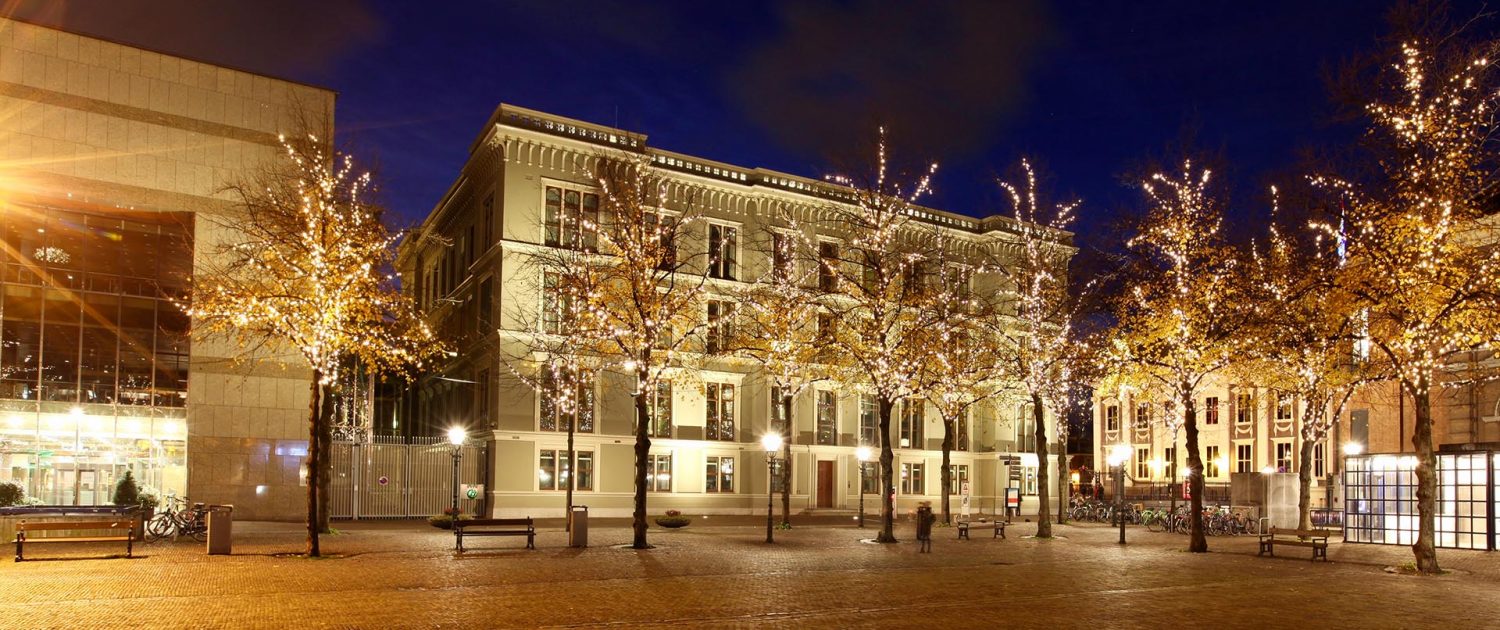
997,526
1316,539
76,532
495,527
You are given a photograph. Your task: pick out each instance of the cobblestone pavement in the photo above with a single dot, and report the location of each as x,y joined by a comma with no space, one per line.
721,573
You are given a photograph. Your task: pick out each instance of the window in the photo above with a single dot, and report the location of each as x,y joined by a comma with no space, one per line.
659,473
486,305
912,418
825,333
719,474
1172,460
778,411
571,218
1028,481
1318,460
958,475
723,251
778,475
1112,418
566,397
488,209
1142,415
869,477
661,411
916,278
963,432
552,470
912,481
720,419
720,326
1143,463
1025,428
1211,410
781,256
957,280
1284,408
1283,457
828,263
482,392
1242,461
869,421
1211,467
1244,412
827,418
557,306
663,228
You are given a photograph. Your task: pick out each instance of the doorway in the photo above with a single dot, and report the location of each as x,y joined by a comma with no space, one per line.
825,484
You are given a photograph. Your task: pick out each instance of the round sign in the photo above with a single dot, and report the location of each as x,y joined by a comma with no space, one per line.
472,493
383,480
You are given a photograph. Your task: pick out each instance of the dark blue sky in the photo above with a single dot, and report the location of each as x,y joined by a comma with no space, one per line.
1089,89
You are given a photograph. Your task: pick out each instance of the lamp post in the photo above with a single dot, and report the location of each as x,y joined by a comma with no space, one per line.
1118,456
456,437
772,443
863,453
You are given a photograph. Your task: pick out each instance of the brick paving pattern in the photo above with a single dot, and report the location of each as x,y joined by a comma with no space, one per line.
720,573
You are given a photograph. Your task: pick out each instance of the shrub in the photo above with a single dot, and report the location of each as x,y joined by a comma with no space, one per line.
673,520
150,499
126,492
445,520
11,493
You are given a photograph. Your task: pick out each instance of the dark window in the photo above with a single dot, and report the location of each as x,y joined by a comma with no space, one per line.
723,251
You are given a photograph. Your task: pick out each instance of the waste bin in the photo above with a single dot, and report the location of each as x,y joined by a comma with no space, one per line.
925,519
578,534
220,529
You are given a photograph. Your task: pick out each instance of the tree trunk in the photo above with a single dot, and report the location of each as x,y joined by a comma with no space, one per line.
887,483
947,473
572,474
325,458
642,462
1064,485
1425,548
1197,543
786,464
314,463
1304,484
1039,418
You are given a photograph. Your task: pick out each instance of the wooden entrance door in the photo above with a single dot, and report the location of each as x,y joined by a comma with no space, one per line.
825,484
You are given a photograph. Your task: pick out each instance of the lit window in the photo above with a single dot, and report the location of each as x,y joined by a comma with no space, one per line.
719,474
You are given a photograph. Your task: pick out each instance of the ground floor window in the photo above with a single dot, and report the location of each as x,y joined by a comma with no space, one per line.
1211,466
74,457
870,478
959,476
1142,463
719,475
659,472
1242,461
552,471
1028,480
1283,457
778,475
912,479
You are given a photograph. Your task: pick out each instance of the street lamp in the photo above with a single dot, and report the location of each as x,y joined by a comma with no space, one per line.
1118,456
772,443
456,437
864,454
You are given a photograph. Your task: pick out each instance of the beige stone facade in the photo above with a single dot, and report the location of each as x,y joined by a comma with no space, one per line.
99,127
466,266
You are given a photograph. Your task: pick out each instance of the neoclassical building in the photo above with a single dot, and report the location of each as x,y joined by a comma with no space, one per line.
466,267
110,155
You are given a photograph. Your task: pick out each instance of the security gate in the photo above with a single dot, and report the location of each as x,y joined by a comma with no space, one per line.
395,477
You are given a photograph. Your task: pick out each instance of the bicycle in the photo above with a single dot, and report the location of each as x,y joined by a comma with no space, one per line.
178,519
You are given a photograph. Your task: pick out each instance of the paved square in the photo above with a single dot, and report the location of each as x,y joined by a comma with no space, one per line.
397,575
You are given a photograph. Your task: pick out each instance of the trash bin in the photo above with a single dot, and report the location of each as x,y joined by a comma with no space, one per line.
925,519
578,534
220,529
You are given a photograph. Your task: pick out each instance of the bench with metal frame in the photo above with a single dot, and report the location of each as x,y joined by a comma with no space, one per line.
495,527
997,525
81,531
1315,539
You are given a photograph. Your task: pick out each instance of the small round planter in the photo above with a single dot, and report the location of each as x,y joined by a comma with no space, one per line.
672,522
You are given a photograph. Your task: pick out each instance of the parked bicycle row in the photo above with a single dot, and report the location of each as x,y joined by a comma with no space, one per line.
1217,520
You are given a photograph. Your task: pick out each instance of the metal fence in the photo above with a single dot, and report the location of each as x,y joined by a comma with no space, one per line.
1381,500
394,477
1213,493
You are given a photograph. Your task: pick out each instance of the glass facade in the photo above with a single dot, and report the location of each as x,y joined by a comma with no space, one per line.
1381,500
93,350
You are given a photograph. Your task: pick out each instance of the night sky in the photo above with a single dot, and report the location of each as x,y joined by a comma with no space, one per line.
1088,89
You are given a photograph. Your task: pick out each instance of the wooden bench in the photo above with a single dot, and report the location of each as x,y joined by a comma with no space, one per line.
495,527
998,528
1316,539
79,531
